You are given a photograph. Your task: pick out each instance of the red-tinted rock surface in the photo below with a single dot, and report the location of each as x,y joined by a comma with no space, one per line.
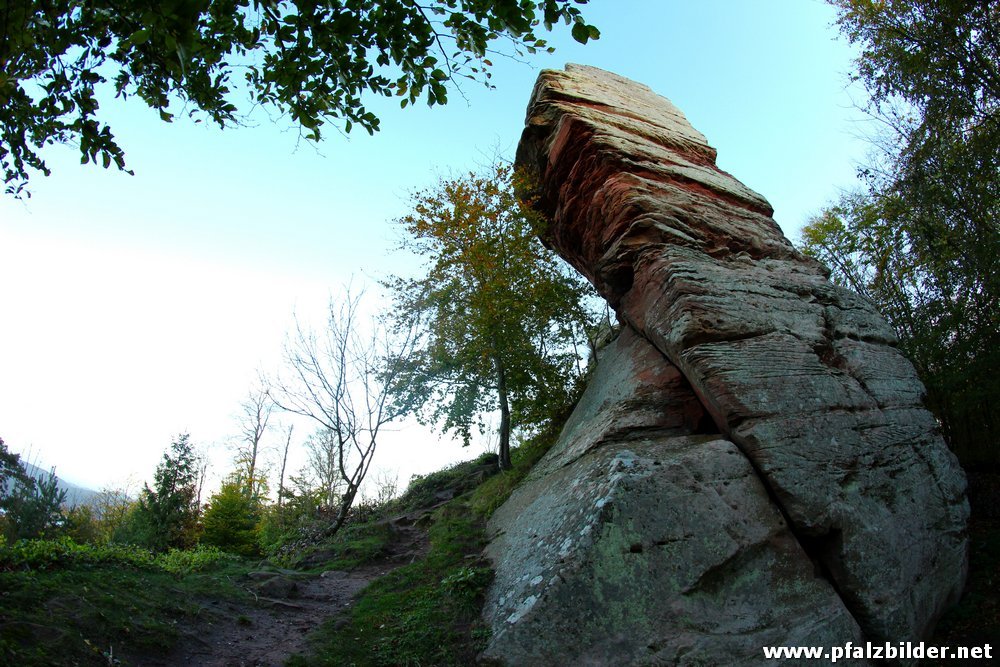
800,374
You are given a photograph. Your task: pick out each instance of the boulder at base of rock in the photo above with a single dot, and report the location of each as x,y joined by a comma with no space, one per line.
636,540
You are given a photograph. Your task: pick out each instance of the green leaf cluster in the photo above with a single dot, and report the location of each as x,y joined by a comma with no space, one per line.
923,243
317,62
42,554
230,521
870,247
501,317
182,562
63,552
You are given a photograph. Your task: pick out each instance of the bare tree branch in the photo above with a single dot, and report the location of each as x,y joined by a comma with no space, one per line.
341,379
255,412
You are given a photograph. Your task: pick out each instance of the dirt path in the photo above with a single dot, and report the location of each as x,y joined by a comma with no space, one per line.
274,626
285,608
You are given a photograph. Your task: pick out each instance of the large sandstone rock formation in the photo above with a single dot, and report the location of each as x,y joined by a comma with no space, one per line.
825,508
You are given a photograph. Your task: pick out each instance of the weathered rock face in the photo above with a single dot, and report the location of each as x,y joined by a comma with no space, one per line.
637,539
820,420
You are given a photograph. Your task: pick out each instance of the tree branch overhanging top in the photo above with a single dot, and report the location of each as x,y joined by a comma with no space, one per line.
315,62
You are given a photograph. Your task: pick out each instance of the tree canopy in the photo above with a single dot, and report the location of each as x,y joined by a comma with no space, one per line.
315,61
231,518
30,506
923,241
502,318
166,515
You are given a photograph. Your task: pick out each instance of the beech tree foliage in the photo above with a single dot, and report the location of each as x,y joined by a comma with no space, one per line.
317,62
922,241
501,318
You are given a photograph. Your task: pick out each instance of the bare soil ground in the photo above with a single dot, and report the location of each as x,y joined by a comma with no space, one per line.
274,627
285,607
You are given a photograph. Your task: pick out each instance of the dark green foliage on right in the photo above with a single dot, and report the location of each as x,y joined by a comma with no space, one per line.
923,242
976,618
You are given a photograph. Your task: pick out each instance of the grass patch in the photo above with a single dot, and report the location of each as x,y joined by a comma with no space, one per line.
64,603
429,490
492,493
423,613
353,546
429,612
81,612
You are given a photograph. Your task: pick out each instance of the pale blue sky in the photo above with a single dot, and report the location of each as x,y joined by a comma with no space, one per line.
135,307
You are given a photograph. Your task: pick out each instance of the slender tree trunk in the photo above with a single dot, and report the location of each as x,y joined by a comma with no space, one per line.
346,502
504,452
251,485
284,462
253,422
202,474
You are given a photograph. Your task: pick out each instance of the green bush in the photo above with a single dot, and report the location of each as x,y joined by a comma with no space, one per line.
186,561
466,584
82,525
231,520
166,515
298,515
32,507
64,552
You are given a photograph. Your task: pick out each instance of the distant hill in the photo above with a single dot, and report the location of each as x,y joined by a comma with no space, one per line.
75,495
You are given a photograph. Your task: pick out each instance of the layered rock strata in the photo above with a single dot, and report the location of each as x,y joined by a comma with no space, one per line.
638,539
800,378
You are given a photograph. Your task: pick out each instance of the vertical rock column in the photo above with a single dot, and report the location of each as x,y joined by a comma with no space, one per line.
801,375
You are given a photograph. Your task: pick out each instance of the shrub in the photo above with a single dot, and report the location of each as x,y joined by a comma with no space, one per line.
33,505
299,515
166,515
82,525
64,552
231,520
186,561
